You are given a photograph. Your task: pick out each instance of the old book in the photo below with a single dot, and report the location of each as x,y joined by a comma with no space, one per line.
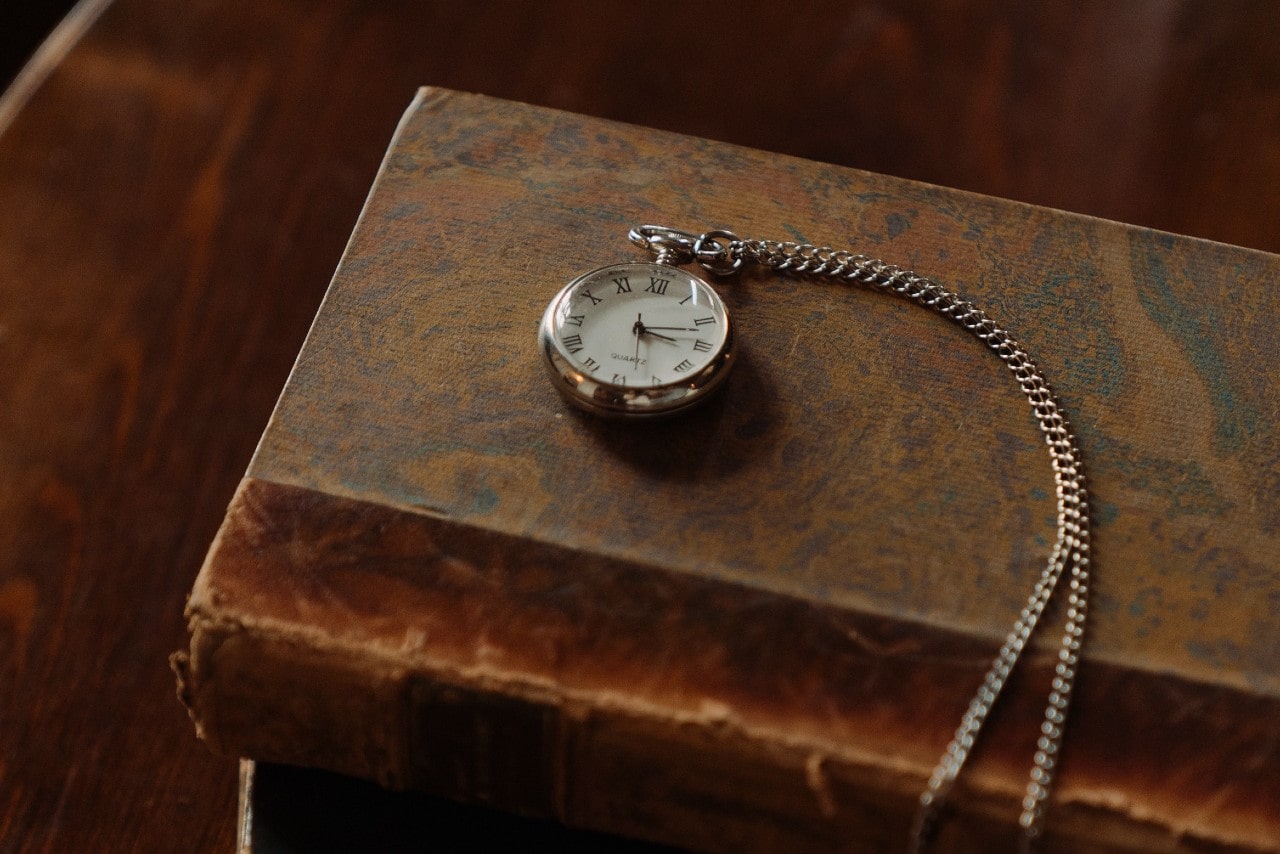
754,627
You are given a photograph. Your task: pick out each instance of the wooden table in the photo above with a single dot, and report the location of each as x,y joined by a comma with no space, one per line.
178,182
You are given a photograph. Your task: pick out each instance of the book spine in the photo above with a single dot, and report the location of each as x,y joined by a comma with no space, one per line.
698,783
420,652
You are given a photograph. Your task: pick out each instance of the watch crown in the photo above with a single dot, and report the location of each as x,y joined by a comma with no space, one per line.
669,245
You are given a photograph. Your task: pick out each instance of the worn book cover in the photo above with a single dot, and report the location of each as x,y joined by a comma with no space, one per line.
754,626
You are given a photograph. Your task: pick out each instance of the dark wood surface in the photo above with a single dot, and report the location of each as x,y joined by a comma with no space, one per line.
178,184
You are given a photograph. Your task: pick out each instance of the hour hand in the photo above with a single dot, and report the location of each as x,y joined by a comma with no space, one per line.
640,329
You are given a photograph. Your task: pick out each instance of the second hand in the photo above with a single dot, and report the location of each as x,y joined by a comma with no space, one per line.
638,329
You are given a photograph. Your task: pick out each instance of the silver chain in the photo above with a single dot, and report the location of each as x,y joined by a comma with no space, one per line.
722,252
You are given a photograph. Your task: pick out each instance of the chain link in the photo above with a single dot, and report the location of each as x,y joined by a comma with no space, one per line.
1070,551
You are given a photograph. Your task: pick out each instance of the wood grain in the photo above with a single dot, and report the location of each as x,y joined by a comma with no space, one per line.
178,189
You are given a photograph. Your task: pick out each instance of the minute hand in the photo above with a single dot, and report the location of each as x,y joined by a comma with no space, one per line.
676,328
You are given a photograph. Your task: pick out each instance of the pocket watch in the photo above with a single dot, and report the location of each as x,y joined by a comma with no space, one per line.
639,339
647,338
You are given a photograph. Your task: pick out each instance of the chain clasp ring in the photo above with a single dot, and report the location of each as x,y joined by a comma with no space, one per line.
718,251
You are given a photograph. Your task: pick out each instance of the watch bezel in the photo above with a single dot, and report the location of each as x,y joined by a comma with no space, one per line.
586,392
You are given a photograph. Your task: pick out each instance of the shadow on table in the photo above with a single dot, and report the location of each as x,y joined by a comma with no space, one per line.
295,809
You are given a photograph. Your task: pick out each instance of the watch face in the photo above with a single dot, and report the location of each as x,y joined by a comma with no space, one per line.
637,339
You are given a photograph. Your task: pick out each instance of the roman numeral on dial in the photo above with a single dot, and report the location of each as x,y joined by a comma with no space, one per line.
575,319
657,286
619,379
595,300
703,321
573,343
683,366
591,364
701,346
624,285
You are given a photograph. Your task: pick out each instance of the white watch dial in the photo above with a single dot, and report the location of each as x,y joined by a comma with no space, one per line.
637,338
